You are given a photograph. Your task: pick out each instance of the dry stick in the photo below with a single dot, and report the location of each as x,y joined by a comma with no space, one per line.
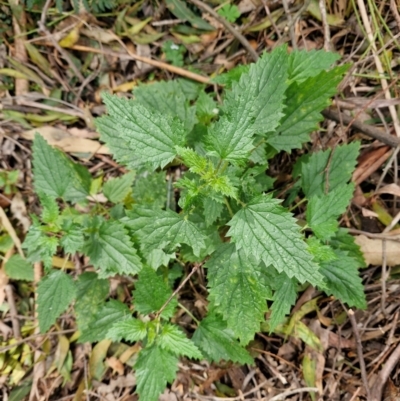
383,278
291,23
159,64
360,353
43,28
364,128
33,336
395,12
13,311
379,67
228,26
288,393
325,25
384,374
195,268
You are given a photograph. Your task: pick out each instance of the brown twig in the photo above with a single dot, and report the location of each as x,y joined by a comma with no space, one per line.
13,311
364,128
228,26
364,376
194,270
325,25
376,391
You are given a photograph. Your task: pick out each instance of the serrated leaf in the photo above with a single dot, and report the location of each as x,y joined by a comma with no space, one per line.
284,297
151,293
323,210
212,210
217,342
40,247
164,229
253,106
315,171
305,64
150,189
130,330
343,281
167,97
174,340
109,313
17,268
53,172
196,163
321,252
55,292
154,369
72,240
117,189
238,289
55,175
304,103
228,78
206,108
91,294
345,242
111,250
50,210
268,231
150,136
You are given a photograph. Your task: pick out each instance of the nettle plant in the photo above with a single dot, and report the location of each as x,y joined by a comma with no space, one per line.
197,196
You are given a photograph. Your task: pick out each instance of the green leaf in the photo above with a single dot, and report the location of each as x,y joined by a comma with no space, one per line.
238,288
91,294
174,340
181,11
304,103
154,368
323,211
305,64
55,175
345,242
151,293
167,98
321,253
117,189
321,166
164,229
53,172
150,136
109,313
230,12
6,243
150,189
110,249
253,106
40,247
196,163
72,240
206,108
50,210
284,297
343,281
212,210
217,342
17,268
131,330
55,292
268,231
232,76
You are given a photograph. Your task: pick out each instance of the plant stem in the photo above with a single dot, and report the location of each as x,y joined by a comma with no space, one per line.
297,204
195,268
229,207
188,312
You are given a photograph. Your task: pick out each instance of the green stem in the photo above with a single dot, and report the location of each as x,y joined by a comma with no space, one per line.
189,313
297,204
229,207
